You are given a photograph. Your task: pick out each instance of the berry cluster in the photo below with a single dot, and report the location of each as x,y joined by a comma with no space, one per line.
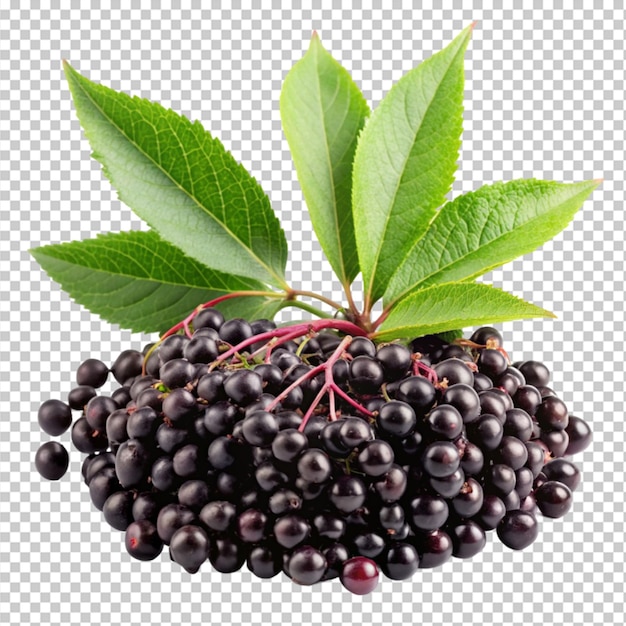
316,453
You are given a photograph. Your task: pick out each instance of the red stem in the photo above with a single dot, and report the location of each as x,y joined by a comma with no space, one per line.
296,383
421,369
349,400
328,368
295,331
309,412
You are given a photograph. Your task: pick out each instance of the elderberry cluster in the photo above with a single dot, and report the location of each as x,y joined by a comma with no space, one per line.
320,456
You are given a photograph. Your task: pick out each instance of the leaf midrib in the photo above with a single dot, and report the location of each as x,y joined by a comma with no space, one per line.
460,259
461,51
126,275
343,277
281,281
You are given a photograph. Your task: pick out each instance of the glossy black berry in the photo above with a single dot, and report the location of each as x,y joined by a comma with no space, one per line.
487,335
288,444
552,414
142,540
535,373
428,512
400,561
500,479
563,471
454,371
469,500
218,515
92,372
314,466
54,417
512,452
518,529
554,499
375,458
86,439
172,348
417,392
291,530
78,397
435,548
465,400
492,363
118,509
472,459
518,424
132,463
353,432
102,485
395,359
177,373
487,432
491,512
307,565
189,547
361,346
449,486
366,375
243,387
201,349
336,554
391,486
235,331
557,442
347,493
445,422
441,458
227,554
528,398
98,410
468,539
264,561
52,460
260,428
208,318
579,435
127,365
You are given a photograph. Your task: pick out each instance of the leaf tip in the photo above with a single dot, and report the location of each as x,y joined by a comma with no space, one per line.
597,181
471,27
315,39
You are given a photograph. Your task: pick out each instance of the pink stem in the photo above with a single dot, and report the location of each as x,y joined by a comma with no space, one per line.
185,323
328,368
276,344
312,408
351,401
331,404
297,330
296,383
421,369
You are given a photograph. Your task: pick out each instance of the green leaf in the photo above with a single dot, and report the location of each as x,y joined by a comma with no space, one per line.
250,307
141,282
182,182
450,335
451,306
405,162
484,229
322,112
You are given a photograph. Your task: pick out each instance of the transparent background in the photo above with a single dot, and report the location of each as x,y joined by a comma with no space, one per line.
544,98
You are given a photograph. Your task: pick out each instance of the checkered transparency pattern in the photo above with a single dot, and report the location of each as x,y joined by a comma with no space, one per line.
544,98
